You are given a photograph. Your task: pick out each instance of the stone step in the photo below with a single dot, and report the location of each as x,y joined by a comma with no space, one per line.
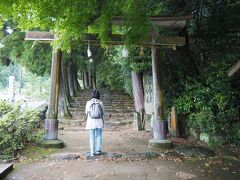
124,103
82,122
113,113
88,98
5,168
83,102
105,104
104,100
127,108
83,105
112,109
71,109
107,115
81,119
122,98
112,117
106,109
72,122
119,107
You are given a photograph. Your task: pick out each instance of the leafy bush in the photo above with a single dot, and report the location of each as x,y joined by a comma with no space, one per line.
5,107
236,133
17,129
203,121
208,103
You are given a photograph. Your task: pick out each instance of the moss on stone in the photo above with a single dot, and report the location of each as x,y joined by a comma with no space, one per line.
57,143
160,144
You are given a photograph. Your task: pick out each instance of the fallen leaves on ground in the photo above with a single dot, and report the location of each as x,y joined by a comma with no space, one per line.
184,175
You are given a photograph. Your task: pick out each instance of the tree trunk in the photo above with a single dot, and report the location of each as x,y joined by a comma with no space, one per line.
138,94
86,79
41,82
83,80
64,71
64,94
90,78
20,86
70,78
94,81
76,86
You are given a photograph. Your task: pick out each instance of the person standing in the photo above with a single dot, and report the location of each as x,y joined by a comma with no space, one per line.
94,112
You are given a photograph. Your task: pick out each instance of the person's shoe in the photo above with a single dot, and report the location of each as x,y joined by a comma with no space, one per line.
99,153
91,155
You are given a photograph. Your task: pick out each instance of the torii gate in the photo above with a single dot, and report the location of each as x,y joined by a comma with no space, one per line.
155,40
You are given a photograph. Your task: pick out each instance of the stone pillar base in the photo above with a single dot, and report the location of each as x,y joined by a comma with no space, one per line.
56,143
160,144
51,129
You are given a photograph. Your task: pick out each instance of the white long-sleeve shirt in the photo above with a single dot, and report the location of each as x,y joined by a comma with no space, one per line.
94,123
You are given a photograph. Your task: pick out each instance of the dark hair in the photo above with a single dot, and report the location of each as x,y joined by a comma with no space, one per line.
96,94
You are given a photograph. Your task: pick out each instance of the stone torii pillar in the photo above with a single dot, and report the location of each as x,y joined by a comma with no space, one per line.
51,122
159,124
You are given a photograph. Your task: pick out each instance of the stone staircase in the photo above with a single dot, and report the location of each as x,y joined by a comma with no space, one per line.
118,106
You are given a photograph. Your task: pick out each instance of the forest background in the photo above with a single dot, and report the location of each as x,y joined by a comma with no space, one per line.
195,78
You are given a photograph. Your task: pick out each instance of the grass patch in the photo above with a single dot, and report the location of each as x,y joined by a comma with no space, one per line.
34,154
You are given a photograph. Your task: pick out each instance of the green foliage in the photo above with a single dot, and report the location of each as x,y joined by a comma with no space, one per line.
5,72
138,62
71,20
5,108
37,57
115,77
203,121
37,154
194,80
12,44
118,75
137,21
236,134
196,75
209,104
17,129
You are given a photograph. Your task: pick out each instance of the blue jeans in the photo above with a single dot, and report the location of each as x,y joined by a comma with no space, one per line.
98,134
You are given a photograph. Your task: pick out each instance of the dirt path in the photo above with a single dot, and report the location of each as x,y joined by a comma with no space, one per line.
121,140
71,170
115,139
